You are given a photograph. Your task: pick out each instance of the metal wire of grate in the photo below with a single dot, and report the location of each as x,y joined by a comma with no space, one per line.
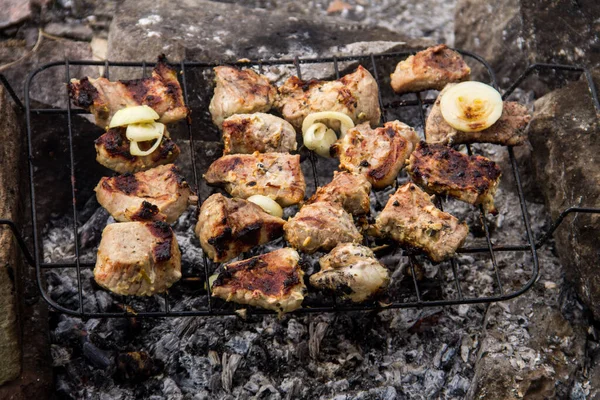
169,307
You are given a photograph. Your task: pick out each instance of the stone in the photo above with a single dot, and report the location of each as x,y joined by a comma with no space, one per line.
71,31
565,135
512,34
14,11
10,133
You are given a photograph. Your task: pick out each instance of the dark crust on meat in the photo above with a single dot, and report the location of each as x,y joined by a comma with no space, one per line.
162,231
146,212
83,93
248,235
181,182
448,167
126,183
252,274
116,144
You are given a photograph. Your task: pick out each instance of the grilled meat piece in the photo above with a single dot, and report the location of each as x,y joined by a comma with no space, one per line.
320,226
240,92
509,130
349,190
138,258
442,170
228,227
353,271
158,194
411,219
431,68
273,281
265,133
275,175
104,98
378,153
112,151
355,94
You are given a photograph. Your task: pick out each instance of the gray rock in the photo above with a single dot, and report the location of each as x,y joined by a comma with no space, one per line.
512,34
14,11
565,134
10,152
71,31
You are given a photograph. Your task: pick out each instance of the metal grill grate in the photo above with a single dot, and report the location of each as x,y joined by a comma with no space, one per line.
414,296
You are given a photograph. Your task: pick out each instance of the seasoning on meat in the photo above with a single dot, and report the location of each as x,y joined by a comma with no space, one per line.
275,175
355,94
227,227
273,281
159,194
239,91
320,226
431,68
352,271
265,133
411,219
104,98
138,258
377,153
442,170
347,189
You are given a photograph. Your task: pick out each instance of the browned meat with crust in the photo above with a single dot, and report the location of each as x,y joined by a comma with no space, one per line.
509,130
351,270
265,133
227,227
158,194
320,226
349,190
104,98
275,175
138,258
377,153
112,151
355,94
442,170
411,219
429,69
240,91
273,281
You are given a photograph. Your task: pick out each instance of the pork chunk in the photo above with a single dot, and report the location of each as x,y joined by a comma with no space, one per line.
265,133
347,189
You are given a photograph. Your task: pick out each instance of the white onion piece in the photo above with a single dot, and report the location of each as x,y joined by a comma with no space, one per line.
144,131
267,204
319,138
133,115
135,150
346,122
471,106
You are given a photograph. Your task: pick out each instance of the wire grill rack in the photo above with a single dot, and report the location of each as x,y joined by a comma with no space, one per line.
418,295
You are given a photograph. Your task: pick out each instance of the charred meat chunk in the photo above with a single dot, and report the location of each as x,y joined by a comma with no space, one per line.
347,189
159,194
378,153
273,281
355,94
275,175
509,130
138,258
353,271
113,151
320,226
429,69
227,227
104,98
265,133
240,91
411,219
442,170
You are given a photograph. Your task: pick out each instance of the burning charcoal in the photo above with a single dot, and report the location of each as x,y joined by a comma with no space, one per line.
60,355
230,364
99,358
317,333
137,366
425,323
91,232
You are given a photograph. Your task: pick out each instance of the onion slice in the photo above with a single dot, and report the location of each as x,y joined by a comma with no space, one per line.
471,106
346,122
133,115
267,204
